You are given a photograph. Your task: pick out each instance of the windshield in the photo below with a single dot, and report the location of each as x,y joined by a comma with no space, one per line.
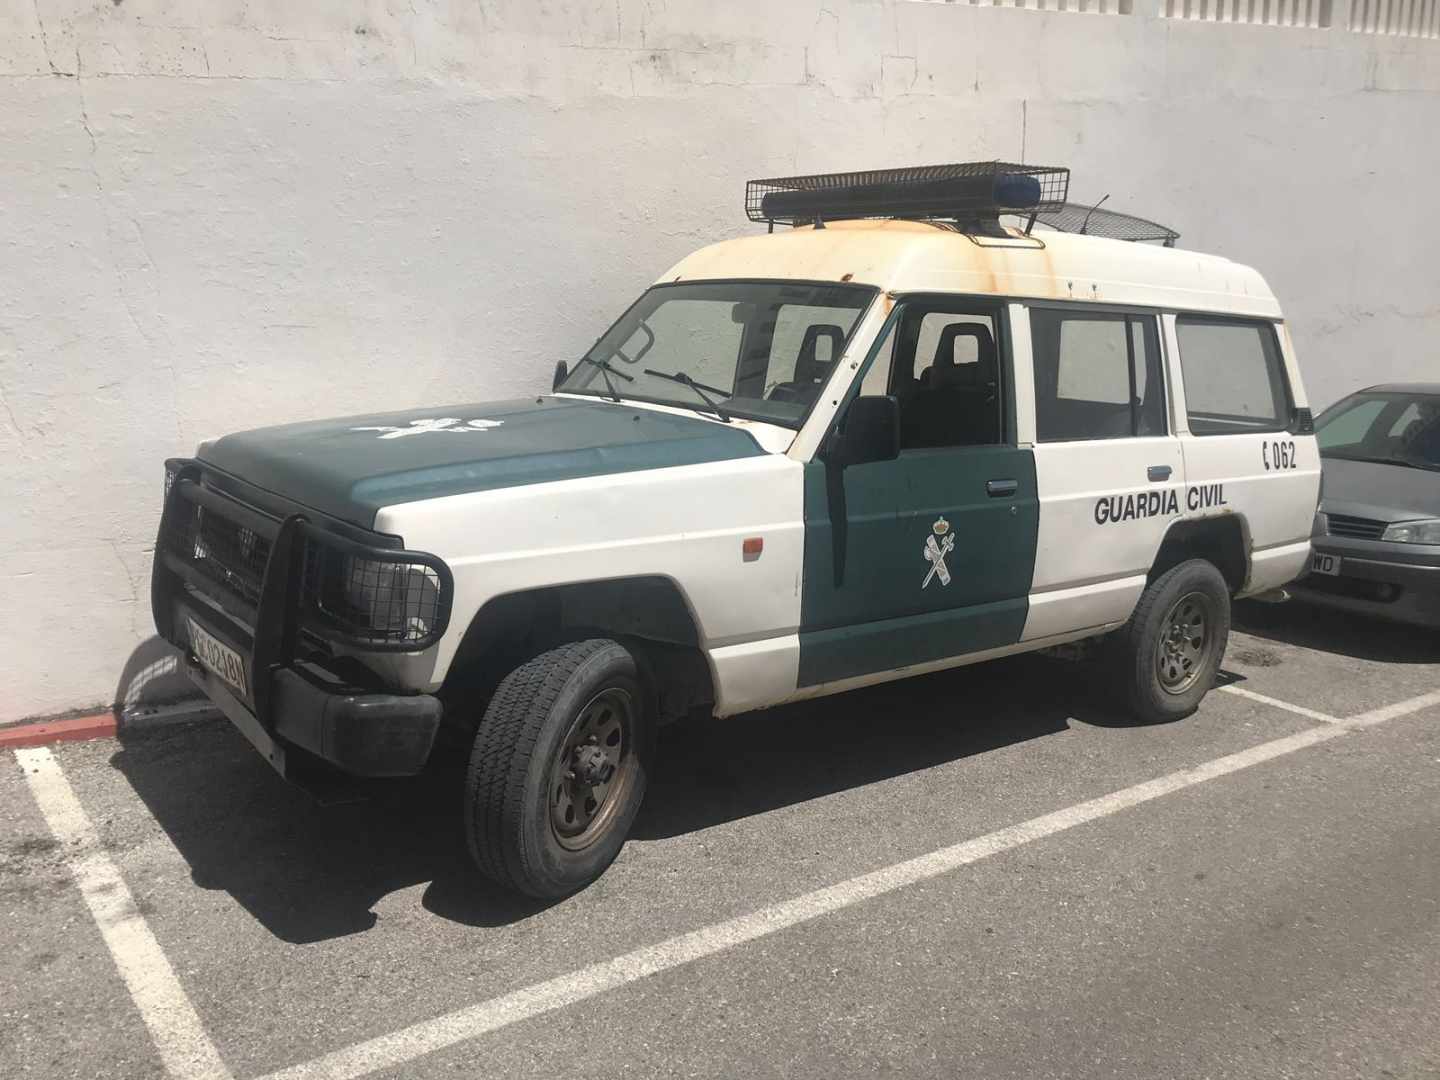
1391,428
761,350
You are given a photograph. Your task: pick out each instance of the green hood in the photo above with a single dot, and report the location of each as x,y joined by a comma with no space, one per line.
348,470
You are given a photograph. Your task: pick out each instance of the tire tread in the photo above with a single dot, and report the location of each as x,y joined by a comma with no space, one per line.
500,760
1133,657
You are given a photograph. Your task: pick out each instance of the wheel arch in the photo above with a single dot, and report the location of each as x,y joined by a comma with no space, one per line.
1222,539
650,613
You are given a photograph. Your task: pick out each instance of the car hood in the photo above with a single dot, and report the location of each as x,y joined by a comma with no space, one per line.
352,467
1379,492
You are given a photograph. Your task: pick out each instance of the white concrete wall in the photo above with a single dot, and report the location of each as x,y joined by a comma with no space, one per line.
219,215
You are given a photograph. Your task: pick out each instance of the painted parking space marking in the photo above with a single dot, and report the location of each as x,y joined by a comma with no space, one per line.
188,1052
1363,720
180,1038
1392,712
410,1043
1299,710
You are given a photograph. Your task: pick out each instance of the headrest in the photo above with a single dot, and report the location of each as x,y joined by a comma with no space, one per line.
944,371
1422,437
808,369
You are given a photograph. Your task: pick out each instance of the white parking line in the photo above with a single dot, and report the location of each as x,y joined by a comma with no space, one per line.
1392,712
417,1040
184,1047
1299,710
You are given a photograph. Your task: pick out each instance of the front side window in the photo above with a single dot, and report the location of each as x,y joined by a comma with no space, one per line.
941,359
1097,375
761,350
1234,377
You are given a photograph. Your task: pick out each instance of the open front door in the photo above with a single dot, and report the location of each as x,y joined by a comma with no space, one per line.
930,555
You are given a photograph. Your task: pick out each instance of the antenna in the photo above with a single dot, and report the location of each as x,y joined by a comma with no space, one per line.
1084,224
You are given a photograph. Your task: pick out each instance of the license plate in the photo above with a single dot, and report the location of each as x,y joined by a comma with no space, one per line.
217,657
1325,564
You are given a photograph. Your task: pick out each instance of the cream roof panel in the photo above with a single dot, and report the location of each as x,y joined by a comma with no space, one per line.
909,256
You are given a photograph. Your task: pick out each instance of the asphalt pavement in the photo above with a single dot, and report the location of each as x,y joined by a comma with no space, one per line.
985,872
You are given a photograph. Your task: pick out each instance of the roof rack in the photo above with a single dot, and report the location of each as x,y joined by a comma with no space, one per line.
969,192
1093,221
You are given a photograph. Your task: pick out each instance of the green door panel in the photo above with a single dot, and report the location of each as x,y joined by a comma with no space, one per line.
865,604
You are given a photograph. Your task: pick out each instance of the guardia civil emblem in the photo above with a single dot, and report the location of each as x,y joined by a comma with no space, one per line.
938,544
445,425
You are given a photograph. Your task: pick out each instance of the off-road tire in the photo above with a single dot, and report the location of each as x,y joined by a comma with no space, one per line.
508,793
1134,657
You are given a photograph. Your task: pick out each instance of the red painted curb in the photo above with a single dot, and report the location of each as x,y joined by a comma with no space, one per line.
44,732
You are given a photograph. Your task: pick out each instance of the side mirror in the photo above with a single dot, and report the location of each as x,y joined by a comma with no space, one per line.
871,432
562,372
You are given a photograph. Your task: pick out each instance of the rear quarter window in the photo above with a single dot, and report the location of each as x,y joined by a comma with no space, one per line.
1233,374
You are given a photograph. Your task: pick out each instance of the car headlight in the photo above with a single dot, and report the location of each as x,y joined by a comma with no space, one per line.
375,598
1413,532
396,600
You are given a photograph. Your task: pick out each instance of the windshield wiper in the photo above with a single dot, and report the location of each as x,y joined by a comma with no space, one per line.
700,389
606,370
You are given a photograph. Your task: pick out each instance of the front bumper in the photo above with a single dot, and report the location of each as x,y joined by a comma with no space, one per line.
281,688
360,732
1377,581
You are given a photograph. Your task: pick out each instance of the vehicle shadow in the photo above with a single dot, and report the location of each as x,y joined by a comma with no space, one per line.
1355,636
152,676
707,774
310,873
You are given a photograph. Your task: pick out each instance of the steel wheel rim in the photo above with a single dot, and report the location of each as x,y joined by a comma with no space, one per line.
592,770
1185,638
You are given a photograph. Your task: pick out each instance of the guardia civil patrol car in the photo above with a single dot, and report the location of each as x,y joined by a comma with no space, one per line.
941,415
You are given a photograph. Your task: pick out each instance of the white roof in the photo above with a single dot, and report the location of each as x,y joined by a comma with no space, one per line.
917,256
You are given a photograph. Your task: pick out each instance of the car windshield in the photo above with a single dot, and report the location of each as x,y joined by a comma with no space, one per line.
760,350
1389,427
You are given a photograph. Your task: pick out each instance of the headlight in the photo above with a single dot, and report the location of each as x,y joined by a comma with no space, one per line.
395,600
1413,532
374,598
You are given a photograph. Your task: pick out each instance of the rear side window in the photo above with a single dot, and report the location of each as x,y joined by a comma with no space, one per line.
1234,378
1097,375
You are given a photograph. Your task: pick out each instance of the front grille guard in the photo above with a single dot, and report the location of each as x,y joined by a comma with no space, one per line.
284,577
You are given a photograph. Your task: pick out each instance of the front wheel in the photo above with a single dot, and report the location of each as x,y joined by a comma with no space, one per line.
1170,652
558,769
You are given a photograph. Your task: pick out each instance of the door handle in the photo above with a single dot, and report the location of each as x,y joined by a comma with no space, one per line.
1001,489
1157,473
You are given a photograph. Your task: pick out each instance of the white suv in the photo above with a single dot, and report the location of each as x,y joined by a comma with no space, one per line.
896,437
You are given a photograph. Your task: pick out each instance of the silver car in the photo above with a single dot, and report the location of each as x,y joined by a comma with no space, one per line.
1377,533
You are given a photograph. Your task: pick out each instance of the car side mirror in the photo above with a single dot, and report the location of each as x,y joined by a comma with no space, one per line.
562,372
871,432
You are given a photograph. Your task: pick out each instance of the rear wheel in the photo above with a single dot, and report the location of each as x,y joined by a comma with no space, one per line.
558,769
1169,653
